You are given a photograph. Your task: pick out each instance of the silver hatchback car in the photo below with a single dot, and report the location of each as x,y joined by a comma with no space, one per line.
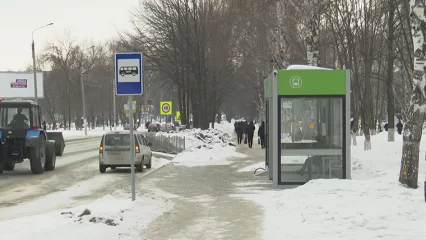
114,151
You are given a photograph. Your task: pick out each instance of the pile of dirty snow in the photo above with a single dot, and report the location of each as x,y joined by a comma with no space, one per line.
207,147
221,135
197,139
226,127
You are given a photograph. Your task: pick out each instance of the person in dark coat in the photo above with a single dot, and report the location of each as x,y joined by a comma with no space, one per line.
386,126
250,134
261,134
399,127
239,130
19,119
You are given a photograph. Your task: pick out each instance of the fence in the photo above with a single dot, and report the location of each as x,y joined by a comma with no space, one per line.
166,144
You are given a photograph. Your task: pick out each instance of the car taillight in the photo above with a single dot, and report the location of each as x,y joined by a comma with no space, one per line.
101,149
137,149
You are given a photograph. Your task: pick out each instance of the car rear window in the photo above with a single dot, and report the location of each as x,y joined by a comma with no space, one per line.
117,140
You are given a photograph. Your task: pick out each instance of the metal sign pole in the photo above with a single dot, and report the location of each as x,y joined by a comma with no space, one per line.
132,149
129,82
113,104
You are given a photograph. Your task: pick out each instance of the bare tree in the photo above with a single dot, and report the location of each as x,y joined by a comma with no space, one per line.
193,43
71,62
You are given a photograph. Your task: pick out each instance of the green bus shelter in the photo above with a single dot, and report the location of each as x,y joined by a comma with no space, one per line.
307,125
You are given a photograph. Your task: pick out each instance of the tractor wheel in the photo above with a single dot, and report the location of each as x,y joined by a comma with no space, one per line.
9,166
50,157
38,157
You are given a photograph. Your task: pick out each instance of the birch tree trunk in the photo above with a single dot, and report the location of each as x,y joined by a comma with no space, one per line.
390,62
312,40
412,136
281,55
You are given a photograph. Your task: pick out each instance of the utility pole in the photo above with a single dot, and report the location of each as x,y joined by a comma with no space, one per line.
34,61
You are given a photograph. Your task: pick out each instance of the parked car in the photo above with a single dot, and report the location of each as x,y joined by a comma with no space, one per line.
153,127
167,127
172,126
127,127
114,151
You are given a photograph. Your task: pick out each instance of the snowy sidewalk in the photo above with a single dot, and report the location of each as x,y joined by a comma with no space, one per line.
204,205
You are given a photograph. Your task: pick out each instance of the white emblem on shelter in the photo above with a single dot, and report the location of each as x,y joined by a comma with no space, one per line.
295,82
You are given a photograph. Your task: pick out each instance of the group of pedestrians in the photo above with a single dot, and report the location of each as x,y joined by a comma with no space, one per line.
246,130
399,126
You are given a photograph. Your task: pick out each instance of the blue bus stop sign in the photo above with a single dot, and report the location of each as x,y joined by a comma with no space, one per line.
128,74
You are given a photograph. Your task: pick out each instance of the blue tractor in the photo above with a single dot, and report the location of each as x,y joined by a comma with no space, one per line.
23,137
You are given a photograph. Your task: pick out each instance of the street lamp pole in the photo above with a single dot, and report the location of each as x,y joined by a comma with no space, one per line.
84,101
34,61
84,105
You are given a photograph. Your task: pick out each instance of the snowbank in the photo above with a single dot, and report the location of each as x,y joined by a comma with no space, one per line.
226,127
371,206
215,155
110,217
113,216
207,147
305,67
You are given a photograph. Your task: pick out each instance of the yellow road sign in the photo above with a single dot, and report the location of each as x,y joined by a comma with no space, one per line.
166,108
177,116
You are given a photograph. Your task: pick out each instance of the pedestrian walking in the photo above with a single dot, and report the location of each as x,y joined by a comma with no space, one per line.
239,130
261,134
250,134
399,127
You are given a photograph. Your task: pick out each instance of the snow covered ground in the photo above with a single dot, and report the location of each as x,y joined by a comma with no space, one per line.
112,216
373,205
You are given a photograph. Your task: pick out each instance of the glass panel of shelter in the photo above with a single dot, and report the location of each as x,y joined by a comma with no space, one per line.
311,134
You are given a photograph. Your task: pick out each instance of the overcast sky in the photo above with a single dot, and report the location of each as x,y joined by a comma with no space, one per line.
84,19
